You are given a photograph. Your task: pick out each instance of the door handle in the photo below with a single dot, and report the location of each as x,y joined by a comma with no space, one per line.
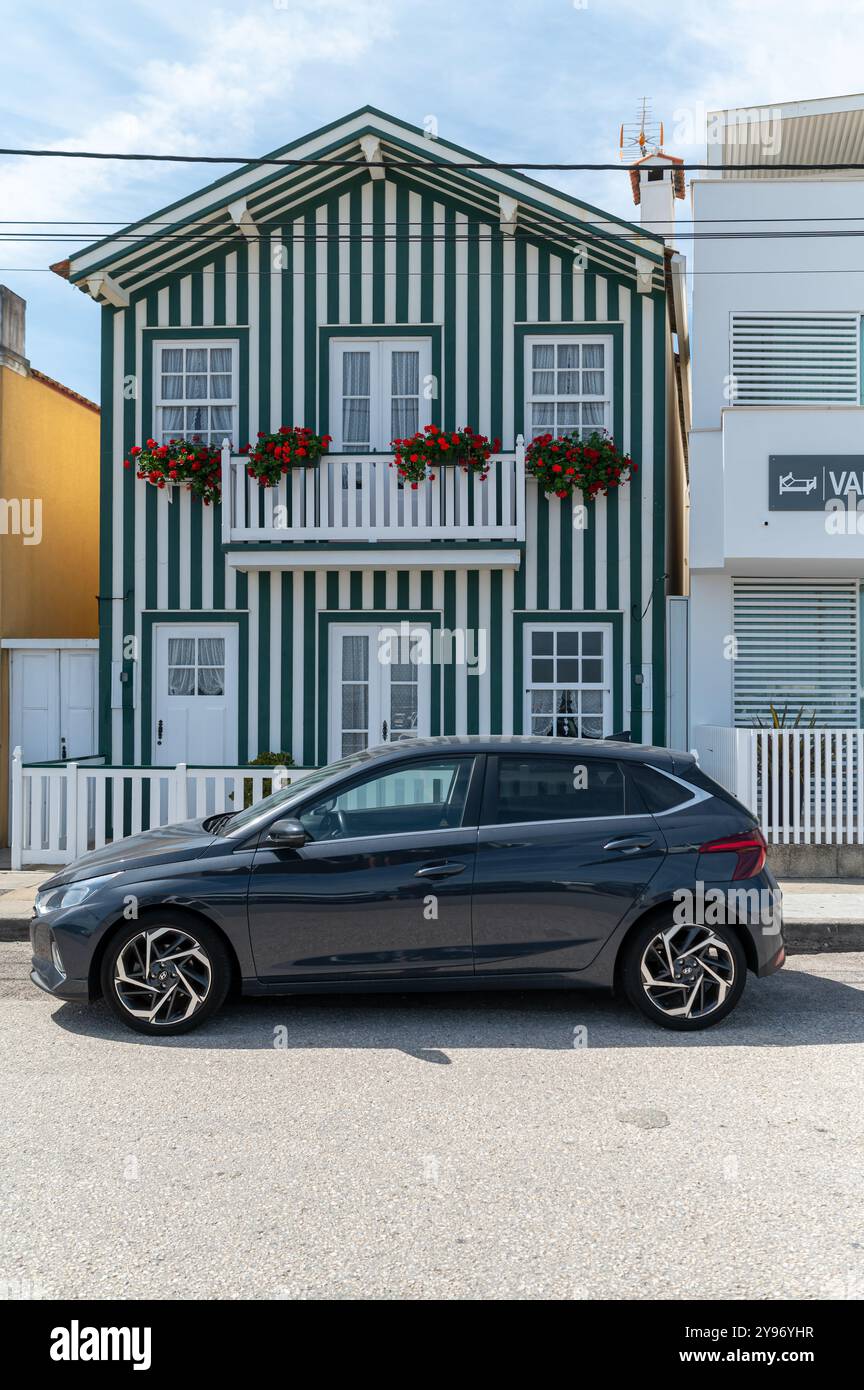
440,870
159,728
384,731
629,844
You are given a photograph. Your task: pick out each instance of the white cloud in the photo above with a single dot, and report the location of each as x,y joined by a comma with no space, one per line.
242,67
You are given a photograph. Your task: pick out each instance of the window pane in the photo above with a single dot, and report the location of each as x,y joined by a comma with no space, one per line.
355,421
543,356
196,388
592,701
592,643
404,418
568,384
172,388
554,788
197,418
542,670
592,383
568,643
543,417
592,671
542,643
181,680
211,651
542,701
172,359
568,669
405,373
593,354
593,415
413,798
211,680
196,360
220,388
403,708
355,706
355,657
355,373
544,383
220,359
181,651
568,356
221,421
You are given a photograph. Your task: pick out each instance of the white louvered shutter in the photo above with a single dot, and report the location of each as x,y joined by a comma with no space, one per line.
795,359
797,646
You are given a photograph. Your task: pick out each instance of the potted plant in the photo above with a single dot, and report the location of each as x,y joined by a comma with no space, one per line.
292,446
568,464
185,463
416,458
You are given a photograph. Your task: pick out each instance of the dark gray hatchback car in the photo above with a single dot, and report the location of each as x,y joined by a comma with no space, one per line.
430,864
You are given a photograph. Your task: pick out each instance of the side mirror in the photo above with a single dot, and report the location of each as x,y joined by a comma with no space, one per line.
286,833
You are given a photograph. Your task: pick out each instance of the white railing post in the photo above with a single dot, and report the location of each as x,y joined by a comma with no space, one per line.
16,839
177,803
520,488
742,768
72,810
227,492
280,778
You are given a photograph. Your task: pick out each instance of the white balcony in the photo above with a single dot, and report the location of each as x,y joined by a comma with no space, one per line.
344,499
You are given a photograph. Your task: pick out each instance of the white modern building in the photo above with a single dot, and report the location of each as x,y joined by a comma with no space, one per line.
777,470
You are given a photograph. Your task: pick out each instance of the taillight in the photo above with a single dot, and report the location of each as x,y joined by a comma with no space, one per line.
748,845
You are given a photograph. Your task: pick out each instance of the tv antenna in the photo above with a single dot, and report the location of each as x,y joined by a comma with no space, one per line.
643,136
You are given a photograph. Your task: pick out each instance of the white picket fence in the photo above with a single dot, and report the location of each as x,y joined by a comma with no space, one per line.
805,786
363,499
63,810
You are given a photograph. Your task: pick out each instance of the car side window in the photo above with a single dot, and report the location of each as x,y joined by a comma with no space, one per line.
542,788
419,796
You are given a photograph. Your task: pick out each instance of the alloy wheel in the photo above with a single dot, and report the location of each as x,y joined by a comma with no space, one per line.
687,971
162,976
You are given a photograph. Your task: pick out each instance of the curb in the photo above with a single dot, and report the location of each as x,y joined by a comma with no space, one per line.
801,938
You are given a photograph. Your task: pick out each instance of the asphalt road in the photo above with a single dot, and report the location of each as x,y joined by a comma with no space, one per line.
438,1147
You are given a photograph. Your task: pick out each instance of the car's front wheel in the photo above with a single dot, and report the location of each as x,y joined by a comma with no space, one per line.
684,977
165,975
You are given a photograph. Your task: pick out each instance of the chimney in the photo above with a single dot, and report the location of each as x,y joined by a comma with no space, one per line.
657,180
12,310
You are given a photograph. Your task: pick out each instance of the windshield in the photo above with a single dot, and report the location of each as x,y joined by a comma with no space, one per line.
241,819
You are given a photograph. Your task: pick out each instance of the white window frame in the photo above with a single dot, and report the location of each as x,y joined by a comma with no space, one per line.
381,349
557,340
232,403
604,685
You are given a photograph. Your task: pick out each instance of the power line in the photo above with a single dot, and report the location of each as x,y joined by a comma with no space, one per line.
481,274
400,163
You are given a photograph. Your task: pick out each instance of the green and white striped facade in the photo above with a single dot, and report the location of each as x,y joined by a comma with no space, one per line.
424,254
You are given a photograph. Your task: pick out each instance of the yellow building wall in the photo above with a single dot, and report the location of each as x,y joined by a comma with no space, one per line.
49,450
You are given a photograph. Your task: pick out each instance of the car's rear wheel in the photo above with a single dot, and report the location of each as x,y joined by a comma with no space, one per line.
684,977
166,975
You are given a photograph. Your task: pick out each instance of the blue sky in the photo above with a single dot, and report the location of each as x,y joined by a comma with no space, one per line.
533,79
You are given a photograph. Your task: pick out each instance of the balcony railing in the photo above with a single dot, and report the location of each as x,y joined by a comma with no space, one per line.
344,498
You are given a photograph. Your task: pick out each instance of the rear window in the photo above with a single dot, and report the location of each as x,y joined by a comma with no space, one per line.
658,792
697,778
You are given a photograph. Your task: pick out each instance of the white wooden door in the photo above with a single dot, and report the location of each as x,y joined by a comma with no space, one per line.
195,694
380,687
53,703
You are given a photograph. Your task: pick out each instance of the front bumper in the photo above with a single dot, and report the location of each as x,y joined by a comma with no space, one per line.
44,972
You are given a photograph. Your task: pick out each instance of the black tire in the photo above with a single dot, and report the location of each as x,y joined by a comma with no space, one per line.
210,961
635,989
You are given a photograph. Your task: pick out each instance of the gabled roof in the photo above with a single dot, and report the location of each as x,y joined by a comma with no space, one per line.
129,259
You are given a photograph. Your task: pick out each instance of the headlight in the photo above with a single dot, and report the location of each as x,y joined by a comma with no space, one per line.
71,894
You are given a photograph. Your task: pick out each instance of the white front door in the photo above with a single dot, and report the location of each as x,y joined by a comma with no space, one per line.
195,694
380,685
53,704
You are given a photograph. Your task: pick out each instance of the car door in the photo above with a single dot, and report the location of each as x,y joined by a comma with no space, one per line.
382,887
564,850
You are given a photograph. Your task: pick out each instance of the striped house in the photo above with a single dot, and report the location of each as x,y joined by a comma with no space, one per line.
369,284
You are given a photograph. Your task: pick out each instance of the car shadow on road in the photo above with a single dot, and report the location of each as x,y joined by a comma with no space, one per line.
797,1008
